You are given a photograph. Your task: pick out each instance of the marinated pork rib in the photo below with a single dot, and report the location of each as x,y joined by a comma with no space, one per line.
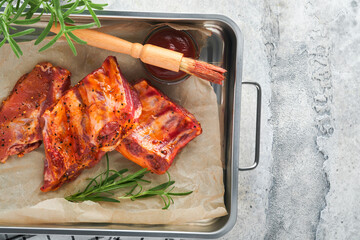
88,121
164,129
20,130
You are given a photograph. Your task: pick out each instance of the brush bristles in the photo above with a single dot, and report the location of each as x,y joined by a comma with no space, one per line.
203,70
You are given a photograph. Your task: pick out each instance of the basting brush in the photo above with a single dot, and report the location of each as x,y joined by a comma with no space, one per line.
151,54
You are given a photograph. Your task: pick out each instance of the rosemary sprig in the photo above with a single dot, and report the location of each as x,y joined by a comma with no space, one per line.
105,183
101,188
160,190
22,14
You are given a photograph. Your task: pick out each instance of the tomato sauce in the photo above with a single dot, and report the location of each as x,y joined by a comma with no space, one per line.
174,40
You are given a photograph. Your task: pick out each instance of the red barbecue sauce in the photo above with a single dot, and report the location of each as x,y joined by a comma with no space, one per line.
174,40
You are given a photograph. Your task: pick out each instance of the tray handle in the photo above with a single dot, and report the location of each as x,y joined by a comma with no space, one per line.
258,125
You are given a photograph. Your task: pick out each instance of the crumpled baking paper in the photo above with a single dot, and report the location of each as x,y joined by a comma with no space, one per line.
197,168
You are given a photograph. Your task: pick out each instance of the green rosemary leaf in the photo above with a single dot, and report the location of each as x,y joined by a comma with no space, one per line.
22,33
71,44
56,4
138,174
3,42
92,181
69,5
144,195
52,41
33,9
132,190
15,45
162,186
92,198
72,8
103,199
165,203
3,28
68,20
107,167
34,6
180,194
17,5
12,28
79,10
15,50
20,11
118,186
27,21
45,32
143,180
115,175
92,14
2,3
84,26
59,14
97,6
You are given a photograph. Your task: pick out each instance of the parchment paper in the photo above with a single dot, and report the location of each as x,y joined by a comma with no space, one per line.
197,168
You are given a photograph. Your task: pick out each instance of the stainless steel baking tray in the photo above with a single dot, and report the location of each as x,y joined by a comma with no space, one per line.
225,46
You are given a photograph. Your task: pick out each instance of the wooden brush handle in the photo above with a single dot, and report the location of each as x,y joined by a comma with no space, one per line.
150,54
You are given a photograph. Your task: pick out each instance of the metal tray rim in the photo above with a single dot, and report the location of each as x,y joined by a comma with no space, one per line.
235,121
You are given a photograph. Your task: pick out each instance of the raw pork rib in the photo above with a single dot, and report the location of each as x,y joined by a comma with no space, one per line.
164,129
20,128
88,121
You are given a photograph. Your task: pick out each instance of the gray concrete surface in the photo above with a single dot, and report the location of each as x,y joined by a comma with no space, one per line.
305,54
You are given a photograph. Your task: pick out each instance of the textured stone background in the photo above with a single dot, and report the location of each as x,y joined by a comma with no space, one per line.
305,54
